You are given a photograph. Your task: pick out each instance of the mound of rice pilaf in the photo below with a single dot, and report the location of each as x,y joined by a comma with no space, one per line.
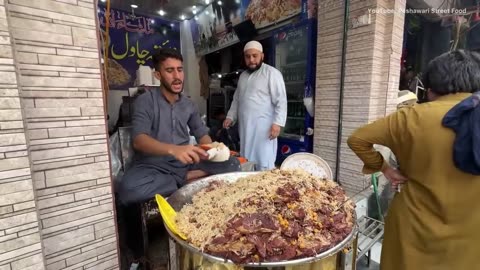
270,216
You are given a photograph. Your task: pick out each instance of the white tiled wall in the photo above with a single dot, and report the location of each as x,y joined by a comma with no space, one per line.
57,149
371,81
20,242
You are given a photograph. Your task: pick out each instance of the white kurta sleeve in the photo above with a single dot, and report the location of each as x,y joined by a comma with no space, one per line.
278,95
233,112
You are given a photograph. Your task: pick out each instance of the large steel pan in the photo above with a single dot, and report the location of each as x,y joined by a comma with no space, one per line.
189,257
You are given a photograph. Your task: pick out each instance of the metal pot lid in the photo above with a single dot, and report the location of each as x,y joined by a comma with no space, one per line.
309,162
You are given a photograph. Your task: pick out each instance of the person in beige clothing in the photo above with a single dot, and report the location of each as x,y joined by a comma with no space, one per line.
433,223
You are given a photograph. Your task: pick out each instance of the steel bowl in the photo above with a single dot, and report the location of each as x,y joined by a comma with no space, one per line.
184,196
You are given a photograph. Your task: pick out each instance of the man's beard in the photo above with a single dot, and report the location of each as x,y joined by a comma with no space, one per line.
168,87
257,67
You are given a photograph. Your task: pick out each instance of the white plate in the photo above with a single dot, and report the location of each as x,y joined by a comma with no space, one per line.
311,163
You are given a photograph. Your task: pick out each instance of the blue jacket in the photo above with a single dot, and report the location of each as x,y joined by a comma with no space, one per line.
464,120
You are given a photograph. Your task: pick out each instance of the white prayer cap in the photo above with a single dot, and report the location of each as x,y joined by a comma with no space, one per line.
406,98
253,45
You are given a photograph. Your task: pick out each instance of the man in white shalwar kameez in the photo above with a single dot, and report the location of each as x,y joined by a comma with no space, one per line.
260,107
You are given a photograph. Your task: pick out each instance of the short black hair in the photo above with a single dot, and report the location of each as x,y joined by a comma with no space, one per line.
453,72
163,54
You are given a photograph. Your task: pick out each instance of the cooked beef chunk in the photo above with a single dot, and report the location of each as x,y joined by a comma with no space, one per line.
293,229
278,249
299,213
260,243
254,223
288,193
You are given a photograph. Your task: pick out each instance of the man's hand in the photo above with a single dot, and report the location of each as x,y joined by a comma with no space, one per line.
274,131
394,176
227,123
188,154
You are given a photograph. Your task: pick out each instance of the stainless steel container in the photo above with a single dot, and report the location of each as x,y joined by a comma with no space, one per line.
187,257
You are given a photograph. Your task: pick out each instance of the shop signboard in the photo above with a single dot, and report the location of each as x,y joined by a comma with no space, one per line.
133,41
212,29
265,13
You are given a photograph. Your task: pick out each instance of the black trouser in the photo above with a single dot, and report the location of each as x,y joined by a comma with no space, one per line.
144,180
158,176
133,229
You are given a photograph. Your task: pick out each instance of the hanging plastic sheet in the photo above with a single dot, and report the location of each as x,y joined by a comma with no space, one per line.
115,155
127,152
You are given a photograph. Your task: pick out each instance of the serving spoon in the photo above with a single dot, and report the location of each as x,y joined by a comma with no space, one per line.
168,215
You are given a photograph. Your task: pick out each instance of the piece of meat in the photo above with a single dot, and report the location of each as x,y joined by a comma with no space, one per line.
336,238
345,230
340,227
324,210
255,223
238,251
221,240
312,247
332,191
248,225
288,193
299,213
279,203
290,231
253,201
231,233
268,223
217,251
337,194
326,221
241,248
308,223
339,217
293,229
278,249
260,243
234,220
